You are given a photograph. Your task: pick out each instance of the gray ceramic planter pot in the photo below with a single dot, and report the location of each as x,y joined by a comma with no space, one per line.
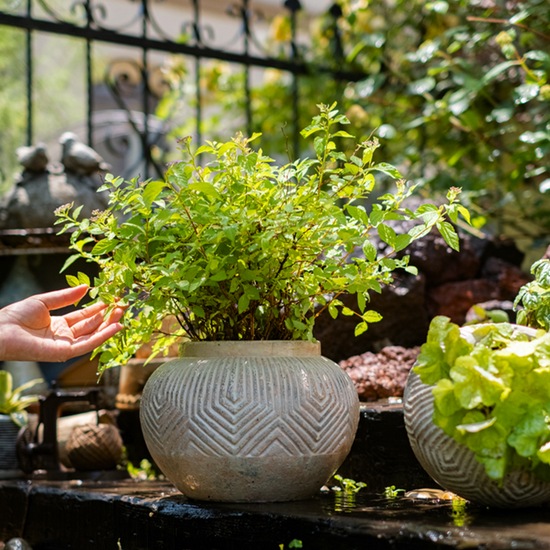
8,436
249,421
454,466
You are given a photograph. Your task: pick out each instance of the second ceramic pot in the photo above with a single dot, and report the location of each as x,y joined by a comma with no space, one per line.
454,466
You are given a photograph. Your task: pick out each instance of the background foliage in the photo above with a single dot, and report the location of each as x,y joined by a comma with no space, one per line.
457,89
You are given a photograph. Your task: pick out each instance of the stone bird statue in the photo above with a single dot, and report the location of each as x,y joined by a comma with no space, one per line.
78,158
33,159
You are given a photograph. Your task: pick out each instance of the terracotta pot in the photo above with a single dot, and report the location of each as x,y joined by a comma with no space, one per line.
249,421
454,466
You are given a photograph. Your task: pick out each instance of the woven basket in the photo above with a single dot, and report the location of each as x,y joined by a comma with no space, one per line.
92,447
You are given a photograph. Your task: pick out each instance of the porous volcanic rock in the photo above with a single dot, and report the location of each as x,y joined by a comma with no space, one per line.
440,263
380,375
508,277
404,320
455,299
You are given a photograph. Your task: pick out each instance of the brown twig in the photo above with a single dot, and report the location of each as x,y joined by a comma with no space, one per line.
507,22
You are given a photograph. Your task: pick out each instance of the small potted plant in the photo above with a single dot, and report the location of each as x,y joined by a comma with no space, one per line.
12,417
476,411
245,253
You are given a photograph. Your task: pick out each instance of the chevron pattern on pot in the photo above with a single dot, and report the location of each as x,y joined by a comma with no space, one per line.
256,407
454,466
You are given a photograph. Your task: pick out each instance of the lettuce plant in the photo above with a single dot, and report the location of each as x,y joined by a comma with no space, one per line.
492,394
236,247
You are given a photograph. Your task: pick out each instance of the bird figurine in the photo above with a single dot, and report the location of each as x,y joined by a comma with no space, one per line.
33,159
78,158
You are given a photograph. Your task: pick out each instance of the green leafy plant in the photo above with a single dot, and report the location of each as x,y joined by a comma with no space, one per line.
11,401
535,298
392,493
488,316
238,248
294,543
348,485
491,395
142,472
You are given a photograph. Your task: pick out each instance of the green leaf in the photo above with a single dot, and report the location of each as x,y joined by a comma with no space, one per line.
401,242
72,280
27,385
526,92
370,251
220,275
299,325
430,364
460,101
205,187
372,316
498,69
526,435
473,385
231,232
358,213
376,216
439,6
244,300
104,246
198,311
347,311
319,144
342,133
476,426
422,86
449,234
387,234
152,191
538,55
361,301
520,16
360,328
465,213
306,132
444,397
83,279
69,261
496,468
77,211
387,169
6,385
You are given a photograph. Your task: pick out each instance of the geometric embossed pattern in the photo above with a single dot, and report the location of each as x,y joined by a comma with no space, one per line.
250,406
249,428
454,466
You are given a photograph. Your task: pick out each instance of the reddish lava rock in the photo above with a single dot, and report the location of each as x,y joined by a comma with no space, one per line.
380,375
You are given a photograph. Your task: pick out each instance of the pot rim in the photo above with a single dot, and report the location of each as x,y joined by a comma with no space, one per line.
251,348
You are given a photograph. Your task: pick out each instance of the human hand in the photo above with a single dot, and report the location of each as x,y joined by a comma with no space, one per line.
29,333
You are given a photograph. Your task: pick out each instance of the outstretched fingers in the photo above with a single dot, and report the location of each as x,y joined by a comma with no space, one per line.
85,314
94,321
62,298
87,343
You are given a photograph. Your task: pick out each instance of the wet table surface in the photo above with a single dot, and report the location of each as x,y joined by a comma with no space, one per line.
133,515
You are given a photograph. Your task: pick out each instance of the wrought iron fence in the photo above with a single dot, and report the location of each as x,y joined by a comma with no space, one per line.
88,20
